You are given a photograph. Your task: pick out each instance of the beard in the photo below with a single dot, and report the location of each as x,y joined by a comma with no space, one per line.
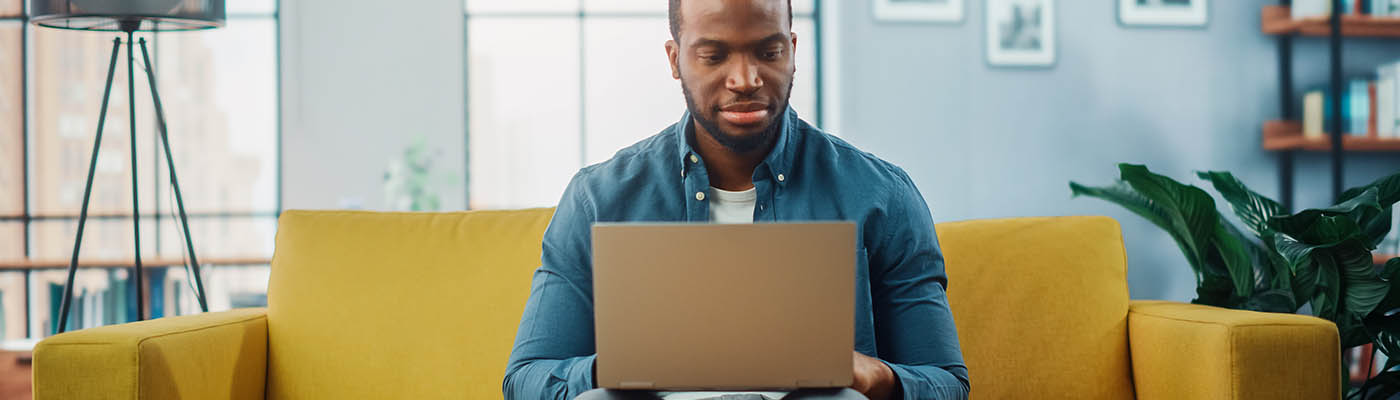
739,144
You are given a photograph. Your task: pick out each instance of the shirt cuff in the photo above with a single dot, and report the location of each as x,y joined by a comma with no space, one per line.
581,374
929,382
897,392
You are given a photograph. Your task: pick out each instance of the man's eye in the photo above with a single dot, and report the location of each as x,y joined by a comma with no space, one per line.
712,58
772,54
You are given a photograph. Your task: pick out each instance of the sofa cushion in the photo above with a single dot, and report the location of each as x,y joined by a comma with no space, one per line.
1041,306
365,305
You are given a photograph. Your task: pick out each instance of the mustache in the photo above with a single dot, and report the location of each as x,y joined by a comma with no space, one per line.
768,105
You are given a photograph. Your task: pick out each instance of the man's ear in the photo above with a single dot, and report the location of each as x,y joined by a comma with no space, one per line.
673,53
794,51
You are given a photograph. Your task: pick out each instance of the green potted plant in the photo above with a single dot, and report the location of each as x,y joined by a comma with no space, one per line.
1316,257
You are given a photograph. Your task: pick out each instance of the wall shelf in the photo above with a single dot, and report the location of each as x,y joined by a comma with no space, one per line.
1284,137
1288,135
1277,20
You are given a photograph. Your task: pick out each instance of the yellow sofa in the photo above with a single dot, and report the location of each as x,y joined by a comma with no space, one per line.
365,305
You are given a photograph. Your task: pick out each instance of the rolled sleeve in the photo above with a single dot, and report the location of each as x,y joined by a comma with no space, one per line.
913,322
554,352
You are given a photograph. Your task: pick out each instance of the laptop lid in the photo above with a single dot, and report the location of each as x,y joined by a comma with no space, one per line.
724,307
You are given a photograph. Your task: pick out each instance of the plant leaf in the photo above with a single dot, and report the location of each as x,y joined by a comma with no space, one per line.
1333,230
1274,300
1376,227
1253,209
1298,257
1355,209
1326,301
1383,386
1364,287
1391,302
1124,195
1383,329
1190,211
1236,259
1295,252
1352,332
1387,190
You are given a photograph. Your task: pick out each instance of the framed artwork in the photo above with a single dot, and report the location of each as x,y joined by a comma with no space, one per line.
1021,33
919,10
1163,12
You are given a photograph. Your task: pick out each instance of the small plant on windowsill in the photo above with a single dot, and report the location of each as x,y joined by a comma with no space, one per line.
409,182
1319,257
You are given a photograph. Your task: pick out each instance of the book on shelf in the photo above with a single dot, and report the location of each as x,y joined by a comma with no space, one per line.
157,275
1358,107
1391,243
1313,110
1388,100
55,293
106,296
1370,108
1386,109
1317,110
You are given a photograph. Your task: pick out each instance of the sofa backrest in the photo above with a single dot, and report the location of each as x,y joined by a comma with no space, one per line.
425,305
1041,306
365,305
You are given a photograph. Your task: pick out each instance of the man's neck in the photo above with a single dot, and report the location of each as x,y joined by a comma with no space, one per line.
728,170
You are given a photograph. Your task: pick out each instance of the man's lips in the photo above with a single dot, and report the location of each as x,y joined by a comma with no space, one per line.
744,113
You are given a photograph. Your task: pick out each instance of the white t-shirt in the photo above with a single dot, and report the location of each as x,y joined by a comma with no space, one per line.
728,207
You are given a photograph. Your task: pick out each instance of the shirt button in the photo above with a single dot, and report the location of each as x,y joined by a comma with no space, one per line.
700,196
781,178
694,159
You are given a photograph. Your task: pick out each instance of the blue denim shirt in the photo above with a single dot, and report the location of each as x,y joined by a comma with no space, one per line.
902,314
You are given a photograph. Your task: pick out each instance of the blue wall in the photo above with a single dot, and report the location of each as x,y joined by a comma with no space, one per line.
984,142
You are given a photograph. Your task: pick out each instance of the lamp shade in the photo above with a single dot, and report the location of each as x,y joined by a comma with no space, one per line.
128,15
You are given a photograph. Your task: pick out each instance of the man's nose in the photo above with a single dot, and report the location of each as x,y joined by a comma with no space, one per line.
743,76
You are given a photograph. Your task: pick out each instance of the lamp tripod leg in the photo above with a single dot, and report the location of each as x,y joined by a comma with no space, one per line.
87,194
135,205
174,182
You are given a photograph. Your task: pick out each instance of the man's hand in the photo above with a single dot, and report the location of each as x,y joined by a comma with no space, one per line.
873,378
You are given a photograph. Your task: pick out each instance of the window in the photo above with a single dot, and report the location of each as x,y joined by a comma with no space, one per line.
220,92
555,85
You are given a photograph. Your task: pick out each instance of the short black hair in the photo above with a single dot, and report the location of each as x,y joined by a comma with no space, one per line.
675,15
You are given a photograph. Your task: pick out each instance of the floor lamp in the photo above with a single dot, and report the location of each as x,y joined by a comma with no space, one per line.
129,16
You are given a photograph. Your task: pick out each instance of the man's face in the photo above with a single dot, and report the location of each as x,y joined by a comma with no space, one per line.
734,59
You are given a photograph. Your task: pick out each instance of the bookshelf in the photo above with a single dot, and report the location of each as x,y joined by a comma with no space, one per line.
1288,136
1285,136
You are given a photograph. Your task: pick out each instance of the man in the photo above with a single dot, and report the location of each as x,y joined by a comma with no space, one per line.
741,155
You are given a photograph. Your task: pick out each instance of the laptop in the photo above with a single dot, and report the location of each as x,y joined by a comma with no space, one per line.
724,307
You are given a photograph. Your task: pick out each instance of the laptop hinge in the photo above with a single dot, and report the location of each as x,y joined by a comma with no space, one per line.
813,383
636,385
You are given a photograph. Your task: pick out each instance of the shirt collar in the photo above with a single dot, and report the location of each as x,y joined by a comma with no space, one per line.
778,163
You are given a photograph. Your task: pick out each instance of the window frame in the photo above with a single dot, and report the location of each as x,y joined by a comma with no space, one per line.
27,218
581,15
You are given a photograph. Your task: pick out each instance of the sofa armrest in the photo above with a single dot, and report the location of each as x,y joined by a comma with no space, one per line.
219,355
1188,351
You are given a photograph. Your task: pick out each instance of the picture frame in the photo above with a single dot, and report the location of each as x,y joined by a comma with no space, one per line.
1180,13
945,11
1021,33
